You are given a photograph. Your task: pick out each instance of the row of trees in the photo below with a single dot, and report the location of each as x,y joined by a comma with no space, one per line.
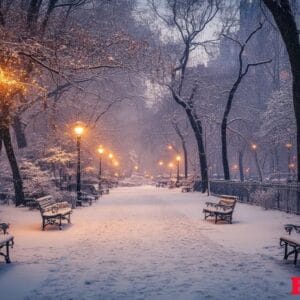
193,23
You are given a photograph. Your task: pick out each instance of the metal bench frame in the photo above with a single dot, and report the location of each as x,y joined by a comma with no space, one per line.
6,245
287,244
45,204
221,211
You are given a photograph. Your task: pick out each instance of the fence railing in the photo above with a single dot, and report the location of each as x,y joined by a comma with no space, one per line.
280,196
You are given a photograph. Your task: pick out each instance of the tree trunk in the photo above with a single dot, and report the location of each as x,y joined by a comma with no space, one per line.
241,165
198,131
185,157
285,20
224,129
17,180
19,131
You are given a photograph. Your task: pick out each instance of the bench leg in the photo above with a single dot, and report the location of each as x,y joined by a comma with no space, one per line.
43,224
7,259
285,251
296,257
60,226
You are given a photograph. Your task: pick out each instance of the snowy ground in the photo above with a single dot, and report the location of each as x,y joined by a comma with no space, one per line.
147,243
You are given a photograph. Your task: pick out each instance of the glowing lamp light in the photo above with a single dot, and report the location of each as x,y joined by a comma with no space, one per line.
170,147
110,155
116,163
288,146
178,158
136,168
79,129
254,146
171,165
292,166
160,163
100,150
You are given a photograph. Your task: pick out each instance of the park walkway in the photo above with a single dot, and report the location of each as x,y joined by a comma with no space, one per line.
148,243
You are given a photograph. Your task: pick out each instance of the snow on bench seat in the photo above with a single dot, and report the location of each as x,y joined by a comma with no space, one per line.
4,238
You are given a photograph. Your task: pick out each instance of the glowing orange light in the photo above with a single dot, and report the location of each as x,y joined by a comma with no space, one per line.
100,150
78,129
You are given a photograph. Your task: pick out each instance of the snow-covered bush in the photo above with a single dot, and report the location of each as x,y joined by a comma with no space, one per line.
264,198
35,181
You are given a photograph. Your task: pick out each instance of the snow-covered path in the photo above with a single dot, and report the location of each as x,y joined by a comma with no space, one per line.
147,243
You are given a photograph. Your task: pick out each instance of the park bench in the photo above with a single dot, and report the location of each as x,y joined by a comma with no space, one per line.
188,187
86,198
221,211
53,212
291,242
6,241
104,191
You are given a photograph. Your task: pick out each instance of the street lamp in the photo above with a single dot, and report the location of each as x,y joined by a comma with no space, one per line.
254,148
171,165
78,130
100,151
178,158
289,148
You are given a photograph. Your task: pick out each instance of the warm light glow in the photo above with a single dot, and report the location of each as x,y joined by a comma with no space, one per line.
170,147
78,129
178,158
160,163
110,155
8,84
288,146
235,167
136,167
116,174
171,165
100,150
292,166
247,170
254,146
116,163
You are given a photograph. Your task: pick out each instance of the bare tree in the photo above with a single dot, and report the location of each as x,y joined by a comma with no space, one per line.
286,23
189,19
242,72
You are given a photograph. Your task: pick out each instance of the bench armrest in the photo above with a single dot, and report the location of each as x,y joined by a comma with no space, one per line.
211,204
224,207
63,204
4,227
290,227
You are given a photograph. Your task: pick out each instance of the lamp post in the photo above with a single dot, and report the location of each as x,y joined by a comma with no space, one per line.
100,151
254,148
78,129
171,165
178,158
160,164
289,148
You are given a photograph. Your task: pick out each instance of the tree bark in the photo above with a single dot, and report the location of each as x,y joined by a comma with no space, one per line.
19,131
241,165
285,20
224,129
17,180
198,131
